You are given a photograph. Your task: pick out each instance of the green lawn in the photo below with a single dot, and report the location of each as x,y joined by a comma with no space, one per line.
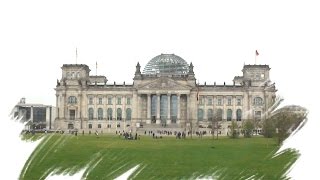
109,156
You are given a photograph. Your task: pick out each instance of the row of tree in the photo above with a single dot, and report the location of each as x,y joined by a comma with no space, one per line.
279,124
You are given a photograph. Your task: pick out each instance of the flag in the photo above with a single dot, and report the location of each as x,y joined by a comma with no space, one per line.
257,54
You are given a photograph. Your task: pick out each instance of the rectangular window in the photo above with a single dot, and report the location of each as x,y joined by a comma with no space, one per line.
109,100
201,100
128,100
209,101
72,114
119,100
257,115
90,100
238,102
100,100
219,102
99,126
229,101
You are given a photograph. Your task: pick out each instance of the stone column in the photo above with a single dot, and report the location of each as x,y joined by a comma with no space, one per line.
135,108
31,113
95,109
215,101
78,110
158,121
57,106
205,118
224,109
178,108
234,109
265,111
114,111
149,109
169,114
124,113
188,111
139,108
48,117
249,109
63,106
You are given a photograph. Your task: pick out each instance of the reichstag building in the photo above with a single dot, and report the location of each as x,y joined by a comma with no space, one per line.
164,96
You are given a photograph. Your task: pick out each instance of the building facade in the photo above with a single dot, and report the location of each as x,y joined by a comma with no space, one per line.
37,116
164,96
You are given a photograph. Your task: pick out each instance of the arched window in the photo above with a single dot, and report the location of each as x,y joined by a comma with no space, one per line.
257,101
128,114
239,114
109,114
100,114
90,113
219,114
200,114
210,114
119,114
72,100
229,115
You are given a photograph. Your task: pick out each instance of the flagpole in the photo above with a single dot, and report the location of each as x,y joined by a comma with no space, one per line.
257,54
255,59
96,68
76,55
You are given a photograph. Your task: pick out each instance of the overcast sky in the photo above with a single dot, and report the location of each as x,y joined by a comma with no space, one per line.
37,38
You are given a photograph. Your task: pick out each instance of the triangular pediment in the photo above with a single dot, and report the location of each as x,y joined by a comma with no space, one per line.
164,83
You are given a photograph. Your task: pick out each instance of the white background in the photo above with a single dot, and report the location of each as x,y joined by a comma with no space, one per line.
38,37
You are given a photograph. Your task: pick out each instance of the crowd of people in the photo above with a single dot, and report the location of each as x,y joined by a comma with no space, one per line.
155,134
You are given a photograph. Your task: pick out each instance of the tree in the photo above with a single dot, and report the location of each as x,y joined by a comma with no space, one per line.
268,128
217,117
248,127
234,133
283,122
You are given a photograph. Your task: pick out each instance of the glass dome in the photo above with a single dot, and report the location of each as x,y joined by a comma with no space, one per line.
167,64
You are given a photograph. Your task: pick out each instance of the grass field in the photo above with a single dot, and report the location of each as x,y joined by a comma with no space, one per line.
108,156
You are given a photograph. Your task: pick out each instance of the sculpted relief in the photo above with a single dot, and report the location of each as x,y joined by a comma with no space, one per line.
165,84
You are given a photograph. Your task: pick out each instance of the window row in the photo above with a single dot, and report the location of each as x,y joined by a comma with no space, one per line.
73,100
219,101
257,76
110,100
229,101
73,74
109,116
219,114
